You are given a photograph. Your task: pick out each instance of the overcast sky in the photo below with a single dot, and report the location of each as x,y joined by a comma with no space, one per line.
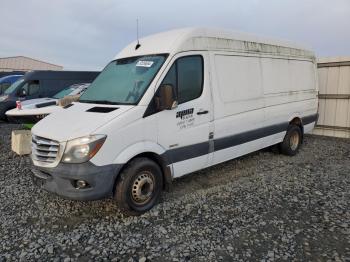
81,34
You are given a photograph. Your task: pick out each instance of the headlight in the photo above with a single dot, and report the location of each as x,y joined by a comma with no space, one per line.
82,149
3,98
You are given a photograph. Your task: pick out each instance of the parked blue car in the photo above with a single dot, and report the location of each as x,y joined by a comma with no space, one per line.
6,81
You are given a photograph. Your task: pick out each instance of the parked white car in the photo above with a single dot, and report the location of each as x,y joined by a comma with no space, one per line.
177,102
32,111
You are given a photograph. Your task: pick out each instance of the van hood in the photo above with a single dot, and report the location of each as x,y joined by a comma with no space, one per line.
78,120
39,106
25,111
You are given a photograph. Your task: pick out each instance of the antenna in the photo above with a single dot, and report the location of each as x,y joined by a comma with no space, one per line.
137,34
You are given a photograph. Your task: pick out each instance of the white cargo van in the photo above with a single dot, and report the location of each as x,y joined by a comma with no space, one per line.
177,102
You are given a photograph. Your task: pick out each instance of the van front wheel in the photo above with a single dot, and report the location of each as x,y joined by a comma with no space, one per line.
139,186
292,141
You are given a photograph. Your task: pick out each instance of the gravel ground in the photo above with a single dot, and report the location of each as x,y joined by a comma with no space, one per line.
263,206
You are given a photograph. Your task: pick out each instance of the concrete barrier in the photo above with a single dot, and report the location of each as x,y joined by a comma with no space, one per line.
21,142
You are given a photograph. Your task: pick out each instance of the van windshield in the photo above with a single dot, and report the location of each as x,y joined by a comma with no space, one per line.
65,92
13,87
123,81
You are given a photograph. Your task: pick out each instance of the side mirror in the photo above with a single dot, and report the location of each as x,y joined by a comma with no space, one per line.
22,93
166,99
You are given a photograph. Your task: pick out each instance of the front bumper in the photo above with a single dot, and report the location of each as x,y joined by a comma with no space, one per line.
61,180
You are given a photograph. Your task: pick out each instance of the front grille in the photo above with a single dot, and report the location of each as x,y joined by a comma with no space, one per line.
44,150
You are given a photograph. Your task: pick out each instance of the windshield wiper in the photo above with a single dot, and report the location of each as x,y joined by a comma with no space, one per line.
106,102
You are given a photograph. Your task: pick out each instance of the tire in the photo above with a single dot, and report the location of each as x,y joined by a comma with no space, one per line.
3,116
292,141
139,186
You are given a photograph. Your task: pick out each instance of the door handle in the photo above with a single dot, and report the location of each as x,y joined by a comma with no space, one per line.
202,112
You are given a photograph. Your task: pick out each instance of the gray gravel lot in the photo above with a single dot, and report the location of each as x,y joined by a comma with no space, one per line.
264,207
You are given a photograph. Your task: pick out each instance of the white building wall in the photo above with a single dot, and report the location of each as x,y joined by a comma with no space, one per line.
22,63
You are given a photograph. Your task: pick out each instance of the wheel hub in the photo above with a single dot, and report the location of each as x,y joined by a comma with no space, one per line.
294,141
142,188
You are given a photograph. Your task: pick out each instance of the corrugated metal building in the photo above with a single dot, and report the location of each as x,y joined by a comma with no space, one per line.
334,97
23,63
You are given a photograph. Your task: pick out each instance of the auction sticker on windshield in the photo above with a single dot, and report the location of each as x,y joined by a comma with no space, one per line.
145,63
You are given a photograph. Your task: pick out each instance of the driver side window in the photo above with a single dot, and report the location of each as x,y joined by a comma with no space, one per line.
31,88
186,75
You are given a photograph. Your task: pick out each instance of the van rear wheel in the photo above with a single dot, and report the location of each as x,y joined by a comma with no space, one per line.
292,141
139,186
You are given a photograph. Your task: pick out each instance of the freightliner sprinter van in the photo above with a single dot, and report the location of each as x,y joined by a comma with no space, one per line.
177,102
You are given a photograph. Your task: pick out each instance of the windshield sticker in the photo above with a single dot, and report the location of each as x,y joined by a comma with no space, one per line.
145,63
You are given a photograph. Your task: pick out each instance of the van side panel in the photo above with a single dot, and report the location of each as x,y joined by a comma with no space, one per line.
238,85
238,105
290,92
255,98
239,78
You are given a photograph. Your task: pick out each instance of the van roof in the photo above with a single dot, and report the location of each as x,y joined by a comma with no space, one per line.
196,38
62,75
3,73
9,78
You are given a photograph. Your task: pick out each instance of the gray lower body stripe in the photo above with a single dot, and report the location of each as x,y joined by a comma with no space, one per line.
186,152
238,139
201,149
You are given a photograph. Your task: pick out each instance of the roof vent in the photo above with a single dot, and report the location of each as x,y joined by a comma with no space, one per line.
98,109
